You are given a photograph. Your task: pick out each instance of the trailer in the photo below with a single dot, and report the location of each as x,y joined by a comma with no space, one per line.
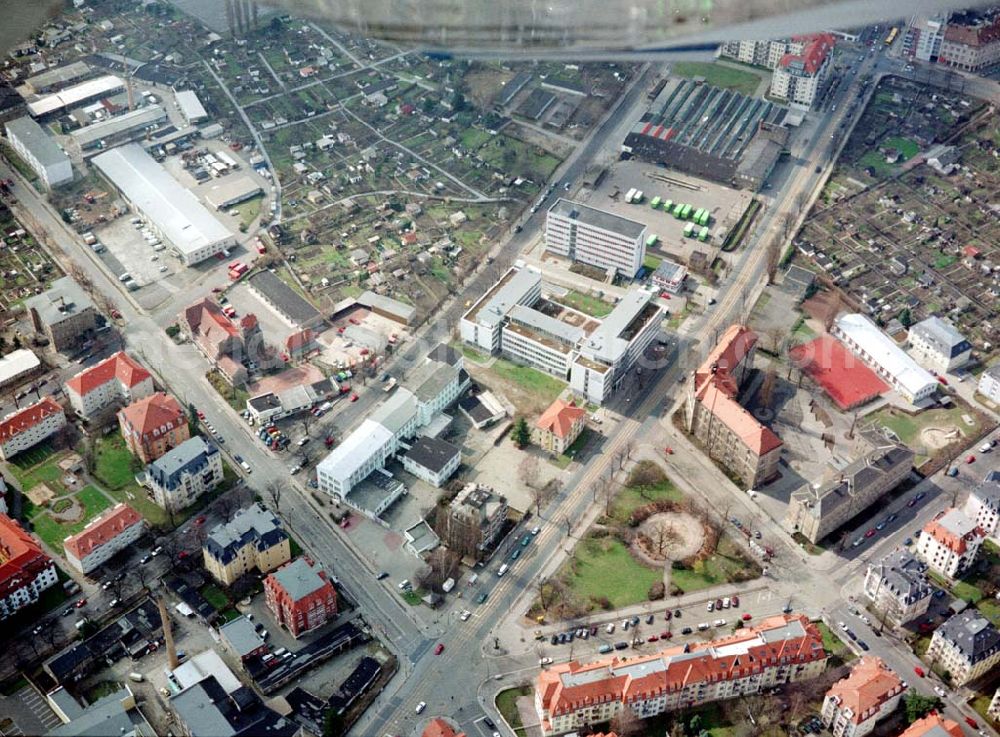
704,218
655,203
678,208
703,234
696,215
652,240
686,214
668,205
689,230
638,196
630,195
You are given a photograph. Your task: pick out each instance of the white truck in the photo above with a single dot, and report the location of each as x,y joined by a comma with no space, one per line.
448,585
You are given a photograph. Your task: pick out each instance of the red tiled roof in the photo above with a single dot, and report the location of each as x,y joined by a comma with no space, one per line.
870,684
21,557
971,251
248,321
102,529
559,418
814,53
710,663
929,722
120,366
297,341
206,316
438,727
157,410
717,389
28,417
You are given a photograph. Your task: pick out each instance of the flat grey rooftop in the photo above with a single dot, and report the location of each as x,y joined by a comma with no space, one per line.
597,218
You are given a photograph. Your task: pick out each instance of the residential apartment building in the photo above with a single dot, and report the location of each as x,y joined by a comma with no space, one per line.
866,341
994,708
983,504
105,535
713,414
778,650
474,520
800,73
437,384
153,425
854,704
971,40
938,346
241,637
558,427
950,542
800,64
933,725
63,313
967,646
40,152
25,571
25,428
595,237
897,586
989,383
118,379
183,474
818,509
300,596
252,541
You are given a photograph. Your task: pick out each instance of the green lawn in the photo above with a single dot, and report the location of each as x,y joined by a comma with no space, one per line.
833,644
214,596
471,353
249,210
506,703
725,565
876,161
585,303
540,384
719,75
115,466
652,262
908,427
603,567
38,465
907,148
53,533
574,449
631,498
236,397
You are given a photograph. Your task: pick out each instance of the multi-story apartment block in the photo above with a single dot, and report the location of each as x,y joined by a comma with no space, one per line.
967,646
933,725
971,40
778,650
63,313
474,520
595,237
937,345
184,473
949,543
252,541
818,509
923,39
25,571
40,151
799,64
27,427
870,693
512,319
301,596
866,341
116,379
730,434
983,504
382,434
799,74
105,535
989,383
558,427
153,425
897,586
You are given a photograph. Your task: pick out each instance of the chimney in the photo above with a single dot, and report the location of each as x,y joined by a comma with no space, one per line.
168,635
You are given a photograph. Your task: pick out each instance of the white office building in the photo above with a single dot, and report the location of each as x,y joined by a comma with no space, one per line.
170,209
595,237
866,341
40,152
937,345
482,325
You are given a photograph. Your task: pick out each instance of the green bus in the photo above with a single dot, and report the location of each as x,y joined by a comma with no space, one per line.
704,218
655,203
703,235
668,204
677,210
686,212
652,240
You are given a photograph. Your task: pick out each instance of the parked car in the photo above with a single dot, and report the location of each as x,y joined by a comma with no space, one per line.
439,648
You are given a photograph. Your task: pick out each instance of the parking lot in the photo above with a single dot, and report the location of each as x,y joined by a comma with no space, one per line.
129,252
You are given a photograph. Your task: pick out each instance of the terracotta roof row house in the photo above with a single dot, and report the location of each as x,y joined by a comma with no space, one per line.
29,426
118,378
25,571
105,535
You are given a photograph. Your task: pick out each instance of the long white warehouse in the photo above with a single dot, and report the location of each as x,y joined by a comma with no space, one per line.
171,210
892,363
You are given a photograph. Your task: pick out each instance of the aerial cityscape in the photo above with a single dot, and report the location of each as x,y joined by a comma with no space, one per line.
352,386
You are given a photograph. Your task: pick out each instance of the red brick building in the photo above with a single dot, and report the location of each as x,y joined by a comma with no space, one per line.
300,596
25,571
153,425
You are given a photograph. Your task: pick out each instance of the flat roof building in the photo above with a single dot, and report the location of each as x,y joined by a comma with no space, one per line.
112,131
231,191
39,151
190,107
170,209
56,77
17,365
293,308
595,237
63,313
80,94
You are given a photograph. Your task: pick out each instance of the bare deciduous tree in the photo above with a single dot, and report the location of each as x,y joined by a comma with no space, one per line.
528,471
774,249
274,488
625,723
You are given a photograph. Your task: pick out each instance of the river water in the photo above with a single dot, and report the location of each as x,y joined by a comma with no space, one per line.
19,19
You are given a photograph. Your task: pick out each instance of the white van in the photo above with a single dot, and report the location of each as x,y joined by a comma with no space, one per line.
703,626
503,569
137,677
125,277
